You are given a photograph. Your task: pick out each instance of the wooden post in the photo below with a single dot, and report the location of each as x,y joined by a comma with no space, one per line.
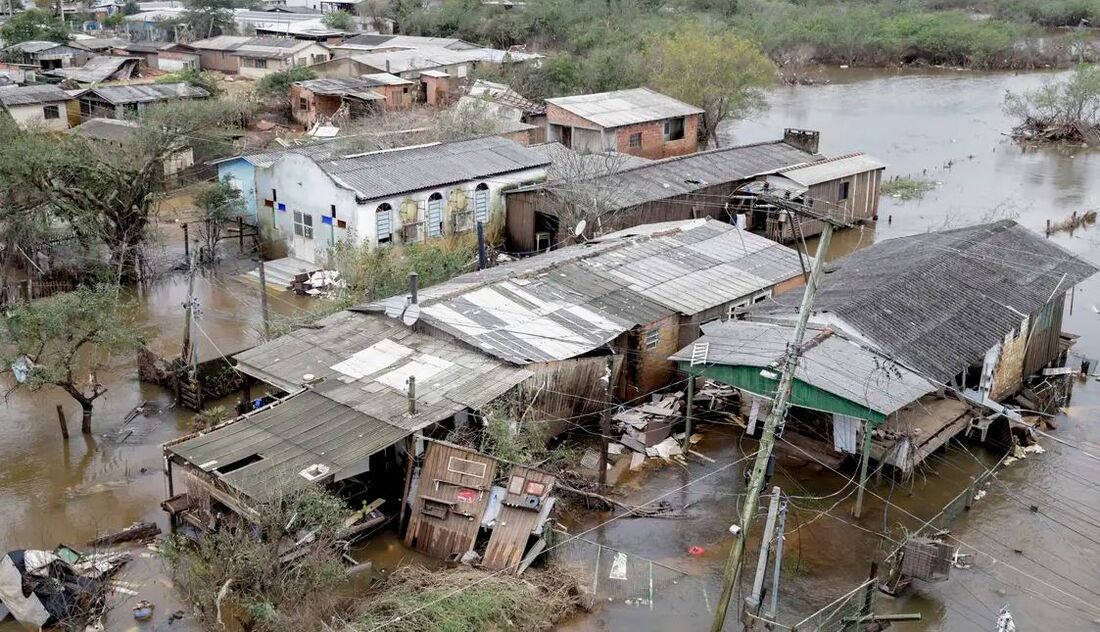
481,258
186,244
867,428
64,424
240,234
410,456
605,420
263,300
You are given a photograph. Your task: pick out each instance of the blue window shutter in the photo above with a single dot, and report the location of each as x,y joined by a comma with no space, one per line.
282,207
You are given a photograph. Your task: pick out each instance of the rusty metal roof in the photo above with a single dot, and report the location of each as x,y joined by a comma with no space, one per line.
573,300
938,301
263,454
362,361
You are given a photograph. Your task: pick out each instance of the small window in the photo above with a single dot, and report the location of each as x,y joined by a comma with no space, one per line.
341,223
384,223
652,338
405,90
274,195
759,299
636,140
845,188
51,112
303,104
303,224
736,306
674,128
456,465
332,210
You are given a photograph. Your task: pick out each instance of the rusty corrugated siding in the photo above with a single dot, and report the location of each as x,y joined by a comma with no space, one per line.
515,523
459,479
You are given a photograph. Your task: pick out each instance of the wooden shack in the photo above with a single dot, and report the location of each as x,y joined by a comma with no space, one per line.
526,495
451,496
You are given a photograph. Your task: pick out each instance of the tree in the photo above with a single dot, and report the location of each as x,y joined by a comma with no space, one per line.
377,13
1059,110
277,84
584,189
220,202
34,24
131,7
241,567
721,73
207,18
63,341
339,20
465,120
107,196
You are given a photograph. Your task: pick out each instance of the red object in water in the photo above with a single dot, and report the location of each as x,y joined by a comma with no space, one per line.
696,551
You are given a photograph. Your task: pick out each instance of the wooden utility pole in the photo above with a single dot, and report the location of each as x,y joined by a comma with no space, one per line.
755,597
780,529
867,427
687,414
772,425
263,298
605,420
187,353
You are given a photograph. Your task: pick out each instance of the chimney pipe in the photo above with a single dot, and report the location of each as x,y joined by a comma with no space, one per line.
412,395
414,280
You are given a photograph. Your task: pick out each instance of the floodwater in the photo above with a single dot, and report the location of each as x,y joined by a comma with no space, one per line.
54,492
946,126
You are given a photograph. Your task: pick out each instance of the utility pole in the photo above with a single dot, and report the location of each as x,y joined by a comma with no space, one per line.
687,415
263,298
858,509
187,353
780,529
756,596
774,422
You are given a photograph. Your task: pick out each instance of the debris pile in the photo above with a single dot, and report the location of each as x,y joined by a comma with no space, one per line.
322,282
55,588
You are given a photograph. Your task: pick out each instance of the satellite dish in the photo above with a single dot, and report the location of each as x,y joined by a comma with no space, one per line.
579,230
411,314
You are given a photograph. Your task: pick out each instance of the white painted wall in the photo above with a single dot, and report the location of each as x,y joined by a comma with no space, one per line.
27,116
303,57
301,185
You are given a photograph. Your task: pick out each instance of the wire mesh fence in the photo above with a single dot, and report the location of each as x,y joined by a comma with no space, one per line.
840,614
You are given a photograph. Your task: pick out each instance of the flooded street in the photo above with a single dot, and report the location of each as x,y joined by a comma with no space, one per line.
944,126
947,127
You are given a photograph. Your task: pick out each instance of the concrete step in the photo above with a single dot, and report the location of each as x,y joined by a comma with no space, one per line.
280,273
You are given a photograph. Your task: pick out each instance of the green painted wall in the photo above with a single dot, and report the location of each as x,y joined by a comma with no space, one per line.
802,394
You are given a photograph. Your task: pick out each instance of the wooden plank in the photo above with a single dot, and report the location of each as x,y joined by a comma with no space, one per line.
515,524
450,475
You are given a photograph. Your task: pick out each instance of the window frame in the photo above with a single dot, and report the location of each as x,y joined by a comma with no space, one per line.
303,224
651,339
844,191
679,134
48,109
634,141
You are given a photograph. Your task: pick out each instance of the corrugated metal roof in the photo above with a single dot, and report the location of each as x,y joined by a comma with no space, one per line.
107,129
271,47
566,163
406,41
938,301
29,95
316,150
339,85
624,107
221,42
832,169
662,179
34,46
573,300
100,68
836,364
304,430
423,58
147,93
393,172
386,79
363,360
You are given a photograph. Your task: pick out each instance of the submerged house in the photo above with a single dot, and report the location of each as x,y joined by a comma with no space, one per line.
315,197
974,313
637,295
685,187
344,423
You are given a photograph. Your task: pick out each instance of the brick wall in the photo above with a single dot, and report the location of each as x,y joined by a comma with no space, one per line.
653,146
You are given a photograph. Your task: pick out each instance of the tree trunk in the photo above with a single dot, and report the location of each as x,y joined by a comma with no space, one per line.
86,419
64,424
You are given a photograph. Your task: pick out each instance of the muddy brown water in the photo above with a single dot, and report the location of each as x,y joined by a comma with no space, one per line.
945,125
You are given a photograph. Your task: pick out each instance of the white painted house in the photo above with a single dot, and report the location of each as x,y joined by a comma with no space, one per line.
39,106
315,198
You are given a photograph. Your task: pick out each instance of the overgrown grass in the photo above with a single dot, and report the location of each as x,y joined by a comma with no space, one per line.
414,599
906,188
373,273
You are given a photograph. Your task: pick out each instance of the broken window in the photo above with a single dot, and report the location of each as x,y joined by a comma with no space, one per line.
636,140
51,112
845,188
674,128
465,466
652,338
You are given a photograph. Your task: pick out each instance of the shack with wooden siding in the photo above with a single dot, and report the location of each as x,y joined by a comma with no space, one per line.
845,187
452,493
523,508
687,187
